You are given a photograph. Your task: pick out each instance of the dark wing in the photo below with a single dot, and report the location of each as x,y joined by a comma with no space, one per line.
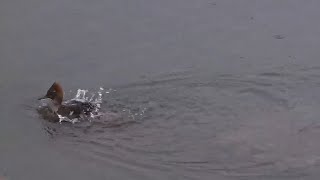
81,107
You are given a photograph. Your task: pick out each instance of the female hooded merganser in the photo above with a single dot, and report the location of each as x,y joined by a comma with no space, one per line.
71,109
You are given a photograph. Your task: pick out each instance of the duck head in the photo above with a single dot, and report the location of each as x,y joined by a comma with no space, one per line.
55,93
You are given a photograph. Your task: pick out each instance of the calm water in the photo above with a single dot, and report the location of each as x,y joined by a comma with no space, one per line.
201,89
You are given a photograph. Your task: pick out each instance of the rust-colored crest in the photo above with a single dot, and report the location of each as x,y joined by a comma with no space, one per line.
55,92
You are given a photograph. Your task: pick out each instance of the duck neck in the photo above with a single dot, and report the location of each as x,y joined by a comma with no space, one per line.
58,101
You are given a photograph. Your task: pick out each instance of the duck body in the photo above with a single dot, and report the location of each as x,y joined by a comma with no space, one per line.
76,108
71,109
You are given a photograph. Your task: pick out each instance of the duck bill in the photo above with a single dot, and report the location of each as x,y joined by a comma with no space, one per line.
44,97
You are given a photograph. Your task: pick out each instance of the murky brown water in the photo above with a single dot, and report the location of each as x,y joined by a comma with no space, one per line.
200,89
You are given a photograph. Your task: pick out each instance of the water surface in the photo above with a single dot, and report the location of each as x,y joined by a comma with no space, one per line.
199,89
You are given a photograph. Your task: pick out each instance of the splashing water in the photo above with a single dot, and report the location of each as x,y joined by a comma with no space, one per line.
82,96
62,118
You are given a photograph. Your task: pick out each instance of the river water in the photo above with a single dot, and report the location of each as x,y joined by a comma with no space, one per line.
207,89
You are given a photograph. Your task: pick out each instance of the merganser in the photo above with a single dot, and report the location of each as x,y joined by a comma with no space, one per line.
71,109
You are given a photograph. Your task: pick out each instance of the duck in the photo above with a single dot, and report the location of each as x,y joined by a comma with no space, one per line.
70,109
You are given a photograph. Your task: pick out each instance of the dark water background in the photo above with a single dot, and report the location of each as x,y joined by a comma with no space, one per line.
223,89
